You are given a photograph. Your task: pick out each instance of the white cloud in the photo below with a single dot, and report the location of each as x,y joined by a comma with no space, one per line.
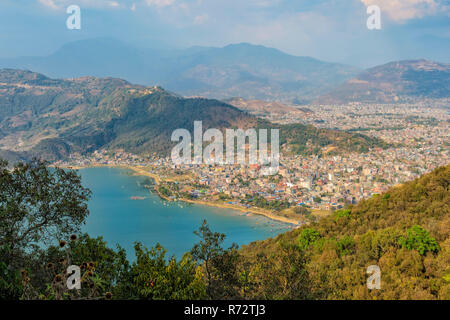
264,3
63,4
402,10
160,3
49,3
200,19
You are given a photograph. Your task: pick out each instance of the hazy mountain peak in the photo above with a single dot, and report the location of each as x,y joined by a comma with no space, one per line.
393,82
242,69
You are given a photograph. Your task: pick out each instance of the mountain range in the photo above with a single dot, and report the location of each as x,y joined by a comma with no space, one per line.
250,71
52,119
242,70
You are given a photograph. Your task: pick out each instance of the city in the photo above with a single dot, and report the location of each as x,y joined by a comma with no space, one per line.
420,143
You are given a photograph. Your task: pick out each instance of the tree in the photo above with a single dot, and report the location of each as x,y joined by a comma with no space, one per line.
282,274
37,204
308,237
111,266
155,278
222,277
10,283
47,271
417,238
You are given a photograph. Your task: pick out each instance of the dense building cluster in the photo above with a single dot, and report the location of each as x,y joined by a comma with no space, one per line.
420,135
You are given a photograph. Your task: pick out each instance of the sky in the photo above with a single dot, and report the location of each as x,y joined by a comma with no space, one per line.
330,30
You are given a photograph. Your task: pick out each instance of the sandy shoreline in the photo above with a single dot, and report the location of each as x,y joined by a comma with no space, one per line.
142,172
257,211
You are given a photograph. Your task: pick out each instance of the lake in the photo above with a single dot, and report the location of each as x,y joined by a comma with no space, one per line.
149,219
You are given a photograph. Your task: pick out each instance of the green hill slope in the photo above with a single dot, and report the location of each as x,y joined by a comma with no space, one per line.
406,232
53,118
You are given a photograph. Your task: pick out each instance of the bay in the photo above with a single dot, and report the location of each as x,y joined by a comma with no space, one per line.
150,220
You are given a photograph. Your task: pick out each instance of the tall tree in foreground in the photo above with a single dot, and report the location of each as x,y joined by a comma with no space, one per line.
221,265
37,205
154,276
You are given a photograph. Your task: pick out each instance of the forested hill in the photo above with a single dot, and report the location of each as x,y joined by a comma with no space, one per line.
404,231
54,118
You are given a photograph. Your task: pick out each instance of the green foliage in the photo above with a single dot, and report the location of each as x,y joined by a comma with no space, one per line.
346,246
88,114
155,278
342,213
111,266
261,202
324,260
10,283
224,197
306,140
397,231
307,237
317,199
38,204
222,277
226,282
417,238
281,275
164,191
374,244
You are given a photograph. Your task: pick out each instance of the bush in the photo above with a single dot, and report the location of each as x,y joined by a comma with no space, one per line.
155,278
346,246
343,213
308,237
417,238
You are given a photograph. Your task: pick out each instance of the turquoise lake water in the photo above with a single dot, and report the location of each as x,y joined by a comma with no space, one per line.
121,220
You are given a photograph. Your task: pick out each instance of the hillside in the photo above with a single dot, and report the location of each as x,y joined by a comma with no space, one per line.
245,70
264,108
404,231
50,118
394,82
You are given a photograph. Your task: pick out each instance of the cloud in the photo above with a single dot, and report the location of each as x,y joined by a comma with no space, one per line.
264,3
63,4
201,19
50,4
403,10
160,3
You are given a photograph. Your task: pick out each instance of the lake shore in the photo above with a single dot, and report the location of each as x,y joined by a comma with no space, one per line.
257,211
141,172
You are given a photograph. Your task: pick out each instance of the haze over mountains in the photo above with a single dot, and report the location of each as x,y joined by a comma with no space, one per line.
253,72
242,70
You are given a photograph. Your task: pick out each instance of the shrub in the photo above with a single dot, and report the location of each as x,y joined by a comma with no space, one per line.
308,237
417,238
